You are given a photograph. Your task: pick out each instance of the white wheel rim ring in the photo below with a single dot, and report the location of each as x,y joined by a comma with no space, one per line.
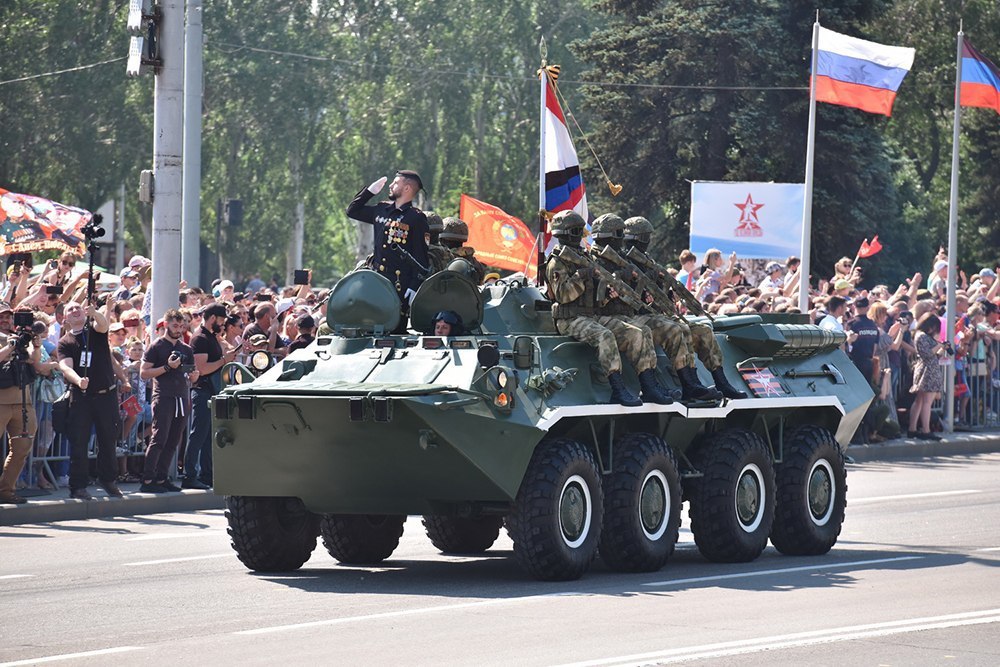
588,514
754,470
825,465
664,520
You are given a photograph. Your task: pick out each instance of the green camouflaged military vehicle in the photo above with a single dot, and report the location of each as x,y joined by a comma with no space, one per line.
509,424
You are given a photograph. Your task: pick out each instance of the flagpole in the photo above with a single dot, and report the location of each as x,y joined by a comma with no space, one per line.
543,80
807,199
949,404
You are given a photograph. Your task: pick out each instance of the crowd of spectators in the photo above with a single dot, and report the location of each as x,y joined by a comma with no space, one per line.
261,316
896,335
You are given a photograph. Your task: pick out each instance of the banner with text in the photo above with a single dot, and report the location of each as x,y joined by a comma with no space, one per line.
500,239
754,220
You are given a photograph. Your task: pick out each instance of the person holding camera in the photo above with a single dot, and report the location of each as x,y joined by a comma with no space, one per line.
86,362
20,359
169,362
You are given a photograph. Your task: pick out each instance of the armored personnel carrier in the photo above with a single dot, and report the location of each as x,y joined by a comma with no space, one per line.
508,423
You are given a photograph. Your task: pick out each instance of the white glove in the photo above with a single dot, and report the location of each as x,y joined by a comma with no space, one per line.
408,295
377,186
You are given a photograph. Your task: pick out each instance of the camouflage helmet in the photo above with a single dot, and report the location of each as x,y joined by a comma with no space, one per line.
608,225
454,230
434,222
638,228
567,223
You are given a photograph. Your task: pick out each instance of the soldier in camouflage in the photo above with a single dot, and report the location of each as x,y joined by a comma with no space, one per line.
638,232
453,236
438,255
578,293
670,334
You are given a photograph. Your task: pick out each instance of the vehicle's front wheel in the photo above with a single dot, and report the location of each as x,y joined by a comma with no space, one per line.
271,534
642,505
556,519
812,493
361,539
732,504
463,535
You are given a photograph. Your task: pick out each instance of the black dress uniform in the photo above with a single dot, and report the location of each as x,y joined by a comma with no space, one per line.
405,226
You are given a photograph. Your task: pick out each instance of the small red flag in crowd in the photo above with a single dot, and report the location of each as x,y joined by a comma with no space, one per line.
869,249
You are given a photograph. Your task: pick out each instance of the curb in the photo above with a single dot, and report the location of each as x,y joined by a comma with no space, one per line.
56,508
951,444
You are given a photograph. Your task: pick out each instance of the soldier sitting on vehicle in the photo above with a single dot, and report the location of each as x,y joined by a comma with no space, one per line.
669,334
638,232
578,291
453,238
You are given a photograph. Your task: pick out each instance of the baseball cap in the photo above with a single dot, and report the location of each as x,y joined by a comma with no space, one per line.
772,267
988,273
842,284
5,308
940,264
306,322
283,305
116,326
225,284
257,339
128,272
138,261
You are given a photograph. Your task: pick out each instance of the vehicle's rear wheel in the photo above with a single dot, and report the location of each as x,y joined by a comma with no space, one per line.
271,534
812,493
642,505
732,504
361,539
556,519
463,535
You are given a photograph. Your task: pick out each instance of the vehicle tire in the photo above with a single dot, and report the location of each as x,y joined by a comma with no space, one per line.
271,534
556,519
361,539
812,493
460,535
732,504
642,505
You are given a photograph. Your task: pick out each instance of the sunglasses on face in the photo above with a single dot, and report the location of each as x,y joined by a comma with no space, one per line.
65,263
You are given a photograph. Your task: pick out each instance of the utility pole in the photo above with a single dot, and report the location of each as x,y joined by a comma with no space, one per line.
191,224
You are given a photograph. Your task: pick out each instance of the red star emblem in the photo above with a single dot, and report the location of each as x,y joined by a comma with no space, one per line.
748,212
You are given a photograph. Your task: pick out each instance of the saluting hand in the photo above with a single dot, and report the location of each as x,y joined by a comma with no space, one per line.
377,186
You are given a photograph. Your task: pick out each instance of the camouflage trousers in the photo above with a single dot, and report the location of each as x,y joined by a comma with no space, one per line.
705,345
672,336
611,336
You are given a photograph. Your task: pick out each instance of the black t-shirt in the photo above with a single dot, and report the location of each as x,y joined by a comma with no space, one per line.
206,342
98,368
863,348
174,382
301,342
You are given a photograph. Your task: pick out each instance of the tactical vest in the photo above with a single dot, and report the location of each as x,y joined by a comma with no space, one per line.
583,306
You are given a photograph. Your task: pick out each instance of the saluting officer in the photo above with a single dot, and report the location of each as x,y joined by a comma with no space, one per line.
395,222
578,292
671,335
638,232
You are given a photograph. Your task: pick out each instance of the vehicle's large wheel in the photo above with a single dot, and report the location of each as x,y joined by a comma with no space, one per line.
812,493
556,519
361,539
271,534
732,505
461,535
642,505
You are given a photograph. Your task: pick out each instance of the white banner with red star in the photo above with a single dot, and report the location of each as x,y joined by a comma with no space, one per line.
754,220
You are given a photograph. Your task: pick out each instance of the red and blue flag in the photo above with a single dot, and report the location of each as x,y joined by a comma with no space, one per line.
564,189
980,86
857,73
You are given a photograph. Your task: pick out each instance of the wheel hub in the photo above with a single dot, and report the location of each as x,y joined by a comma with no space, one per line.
654,505
574,511
750,498
820,492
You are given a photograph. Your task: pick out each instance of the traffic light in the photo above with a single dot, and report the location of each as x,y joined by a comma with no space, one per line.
143,47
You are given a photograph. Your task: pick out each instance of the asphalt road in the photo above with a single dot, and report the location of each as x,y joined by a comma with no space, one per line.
914,580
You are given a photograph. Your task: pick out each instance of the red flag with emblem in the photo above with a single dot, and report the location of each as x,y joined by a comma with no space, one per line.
869,249
500,239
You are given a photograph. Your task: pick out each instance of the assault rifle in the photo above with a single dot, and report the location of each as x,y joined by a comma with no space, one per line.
661,300
645,262
625,293
420,271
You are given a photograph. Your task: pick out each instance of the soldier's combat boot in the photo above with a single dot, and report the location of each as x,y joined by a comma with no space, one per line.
620,393
652,391
722,384
693,389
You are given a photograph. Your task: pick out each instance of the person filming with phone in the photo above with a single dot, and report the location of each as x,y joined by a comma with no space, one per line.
169,362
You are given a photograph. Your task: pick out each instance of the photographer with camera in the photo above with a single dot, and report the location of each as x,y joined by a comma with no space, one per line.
20,360
86,362
169,362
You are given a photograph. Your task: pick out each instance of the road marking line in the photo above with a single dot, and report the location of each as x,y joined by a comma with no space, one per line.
73,656
764,573
170,536
15,576
908,496
977,551
176,560
829,635
403,612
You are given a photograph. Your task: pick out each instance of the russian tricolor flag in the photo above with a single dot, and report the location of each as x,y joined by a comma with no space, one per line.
563,184
857,73
980,80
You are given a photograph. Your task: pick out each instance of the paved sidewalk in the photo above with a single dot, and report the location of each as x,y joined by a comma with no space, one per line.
57,506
